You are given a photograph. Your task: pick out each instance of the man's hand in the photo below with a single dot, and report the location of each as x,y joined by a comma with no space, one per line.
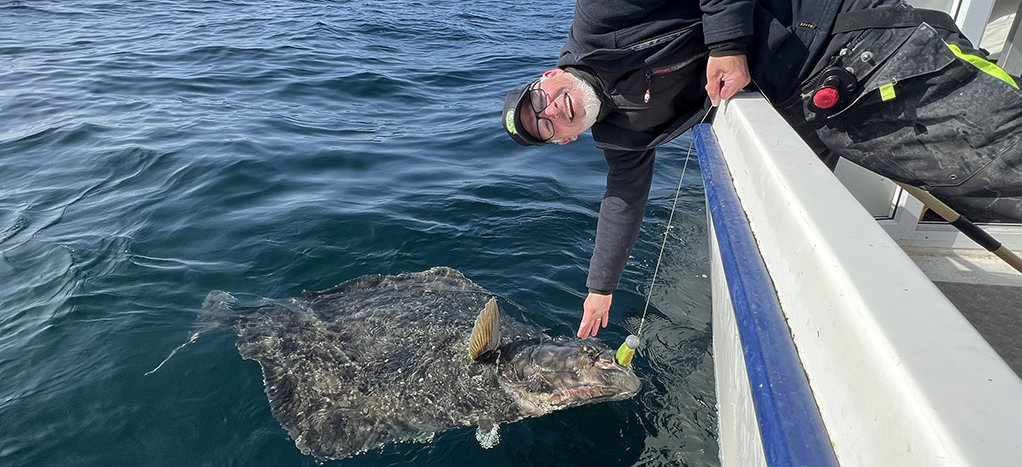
596,313
725,76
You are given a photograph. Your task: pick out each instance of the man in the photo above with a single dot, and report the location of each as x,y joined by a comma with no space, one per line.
634,72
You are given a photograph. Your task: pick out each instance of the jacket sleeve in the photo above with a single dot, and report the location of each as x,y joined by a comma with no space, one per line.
621,212
726,20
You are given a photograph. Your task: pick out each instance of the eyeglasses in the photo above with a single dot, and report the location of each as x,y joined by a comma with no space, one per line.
545,128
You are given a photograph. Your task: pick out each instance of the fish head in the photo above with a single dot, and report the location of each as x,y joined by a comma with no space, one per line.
553,374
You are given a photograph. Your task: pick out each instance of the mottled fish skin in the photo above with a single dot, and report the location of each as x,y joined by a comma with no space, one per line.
382,359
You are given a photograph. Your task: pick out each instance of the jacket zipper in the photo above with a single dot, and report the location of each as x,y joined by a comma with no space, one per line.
649,85
663,70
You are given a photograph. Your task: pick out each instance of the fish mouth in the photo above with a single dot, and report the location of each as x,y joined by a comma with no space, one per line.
585,393
581,394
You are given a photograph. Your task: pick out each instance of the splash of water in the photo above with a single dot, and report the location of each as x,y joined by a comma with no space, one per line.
488,439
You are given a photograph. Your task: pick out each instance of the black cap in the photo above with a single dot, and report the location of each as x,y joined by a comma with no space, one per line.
512,119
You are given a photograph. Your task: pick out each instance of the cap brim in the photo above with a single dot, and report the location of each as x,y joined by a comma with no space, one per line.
512,116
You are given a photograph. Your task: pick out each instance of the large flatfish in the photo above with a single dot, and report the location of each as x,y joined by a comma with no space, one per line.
383,359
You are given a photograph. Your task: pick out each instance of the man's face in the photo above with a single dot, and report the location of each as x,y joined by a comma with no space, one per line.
569,108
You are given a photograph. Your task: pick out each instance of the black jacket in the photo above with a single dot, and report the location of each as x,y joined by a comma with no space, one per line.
647,59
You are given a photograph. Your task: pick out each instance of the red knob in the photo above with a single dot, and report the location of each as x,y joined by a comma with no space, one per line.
825,97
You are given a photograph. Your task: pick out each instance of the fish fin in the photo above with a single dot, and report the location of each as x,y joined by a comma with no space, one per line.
486,332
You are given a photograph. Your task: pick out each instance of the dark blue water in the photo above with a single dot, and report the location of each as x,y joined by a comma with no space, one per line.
153,151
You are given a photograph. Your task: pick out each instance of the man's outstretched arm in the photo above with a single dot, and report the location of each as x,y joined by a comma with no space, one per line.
621,212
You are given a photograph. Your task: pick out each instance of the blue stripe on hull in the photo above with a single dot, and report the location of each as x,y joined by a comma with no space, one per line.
789,420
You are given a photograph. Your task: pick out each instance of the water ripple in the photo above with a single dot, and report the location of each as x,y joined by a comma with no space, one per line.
153,151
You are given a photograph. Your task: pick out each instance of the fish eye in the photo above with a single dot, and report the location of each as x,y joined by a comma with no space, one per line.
591,351
606,362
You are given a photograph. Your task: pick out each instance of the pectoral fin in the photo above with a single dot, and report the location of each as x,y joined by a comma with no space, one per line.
486,332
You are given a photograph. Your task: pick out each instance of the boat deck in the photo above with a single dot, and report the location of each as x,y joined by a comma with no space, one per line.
995,312
985,289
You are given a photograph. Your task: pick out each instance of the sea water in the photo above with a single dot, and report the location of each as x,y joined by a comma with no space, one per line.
152,151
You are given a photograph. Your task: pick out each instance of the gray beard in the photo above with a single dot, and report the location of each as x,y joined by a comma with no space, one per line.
591,102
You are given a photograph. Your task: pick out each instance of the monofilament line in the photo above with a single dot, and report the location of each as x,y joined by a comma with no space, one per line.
190,340
670,219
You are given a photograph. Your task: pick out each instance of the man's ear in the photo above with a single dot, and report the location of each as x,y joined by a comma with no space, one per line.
567,140
552,73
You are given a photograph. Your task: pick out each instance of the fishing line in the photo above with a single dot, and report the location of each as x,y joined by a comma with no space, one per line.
627,349
190,341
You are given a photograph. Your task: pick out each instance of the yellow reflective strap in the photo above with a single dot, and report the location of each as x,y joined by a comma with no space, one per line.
887,92
984,65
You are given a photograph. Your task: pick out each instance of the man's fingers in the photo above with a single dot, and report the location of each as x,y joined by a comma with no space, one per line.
590,329
728,91
595,313
713,94
584,330
712,89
